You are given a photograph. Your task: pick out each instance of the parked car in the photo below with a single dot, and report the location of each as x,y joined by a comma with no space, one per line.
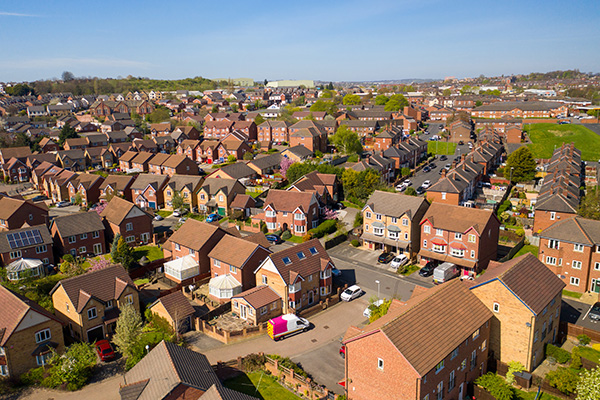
343,351
460,142
369,309
286,324
399,260
448,166
336,272
177,213
158,217
443,158
427,270
407,182
63,204
274,239
351,293
426,184
105,350
213,217
595,312
420,190
39,198
401,187
426,169
182,220
432,166
385,258
444,272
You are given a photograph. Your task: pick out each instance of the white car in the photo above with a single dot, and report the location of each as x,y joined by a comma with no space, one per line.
177,213
426,184
398,261
401,187
367,312
407,183
351,293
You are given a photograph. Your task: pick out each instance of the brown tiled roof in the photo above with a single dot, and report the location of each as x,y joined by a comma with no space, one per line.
243,250
14,308
156,181
77,142
104,284
179,182
17,152
159,159
142,157
283,200
128,155
117,209
394,204
430,325
307,266
243,201
174,161
259,296
8,206
176,304
117,182
258,238
217,392
457,219
78,223
194,234
527,278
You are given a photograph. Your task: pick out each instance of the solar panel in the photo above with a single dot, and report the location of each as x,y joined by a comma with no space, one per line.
22,239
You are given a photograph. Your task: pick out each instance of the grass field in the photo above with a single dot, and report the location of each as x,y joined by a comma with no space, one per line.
575,295
441,147
164,213
522,395
546,137
410,269
528,248
151,252
259,385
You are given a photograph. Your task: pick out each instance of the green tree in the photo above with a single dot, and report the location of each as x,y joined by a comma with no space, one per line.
235,107
563,379
231,158
410,191
396,102
381,100
328,106
177,200
351,99
128,330
346,140
160,114
522,164
327,94
66,132
259,120
588,387
72,368
496,386
214,109
447,92
590,204
248,156
122,253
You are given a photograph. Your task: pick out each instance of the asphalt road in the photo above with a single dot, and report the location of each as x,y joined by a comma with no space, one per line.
576,312
61,211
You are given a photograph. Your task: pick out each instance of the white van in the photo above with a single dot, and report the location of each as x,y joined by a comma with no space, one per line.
444,272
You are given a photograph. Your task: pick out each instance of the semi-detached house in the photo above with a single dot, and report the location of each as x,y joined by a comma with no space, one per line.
79,234
296,211
128,220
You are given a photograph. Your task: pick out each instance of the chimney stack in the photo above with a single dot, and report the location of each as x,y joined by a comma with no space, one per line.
443,173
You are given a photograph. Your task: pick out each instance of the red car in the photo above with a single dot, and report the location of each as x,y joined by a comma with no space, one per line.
343,351
105,350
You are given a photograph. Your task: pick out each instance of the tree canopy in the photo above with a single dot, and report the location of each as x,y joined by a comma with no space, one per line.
128,330
396,102
522,164
381,100
67,132
588,387
346,140
320,105
351,99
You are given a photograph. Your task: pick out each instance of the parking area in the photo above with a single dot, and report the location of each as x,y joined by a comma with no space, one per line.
577,313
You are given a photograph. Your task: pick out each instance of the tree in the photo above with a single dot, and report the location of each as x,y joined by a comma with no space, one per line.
563,379
590,204
396,102
72,368
66,132
231,159
214,109
381,100
447,92
346,140
330,86
160,114
522,164
265,82
128,330
22,140
284,165
72,265
177,200
123,253
351,99
67,76
588,387
328,106
259,120
235,108
410,191
248,156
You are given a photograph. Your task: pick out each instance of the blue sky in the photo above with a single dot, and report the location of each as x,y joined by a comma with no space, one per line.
321,40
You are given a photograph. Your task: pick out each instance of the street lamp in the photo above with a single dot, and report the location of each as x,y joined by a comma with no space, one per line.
377,282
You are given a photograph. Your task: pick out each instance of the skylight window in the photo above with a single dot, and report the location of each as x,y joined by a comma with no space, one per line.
301,255
313,250
286,260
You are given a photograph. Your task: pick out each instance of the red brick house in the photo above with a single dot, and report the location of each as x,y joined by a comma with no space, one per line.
402,355
147,190
205,152
296,211
87,186
189,148
239,265
300,275
141,160
117,185
273,131
313,137
155,165
467,237
15,213
47,145
79,234
235,148
125,218
33,242
218,129
326,187
125,160
181,165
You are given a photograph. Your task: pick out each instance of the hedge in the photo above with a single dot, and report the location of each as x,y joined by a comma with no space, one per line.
327,227
561,356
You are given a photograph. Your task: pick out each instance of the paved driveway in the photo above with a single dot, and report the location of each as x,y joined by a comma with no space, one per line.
107,389
576,313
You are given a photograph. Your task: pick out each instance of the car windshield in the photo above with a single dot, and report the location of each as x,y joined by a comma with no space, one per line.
596,309
106,351
348,291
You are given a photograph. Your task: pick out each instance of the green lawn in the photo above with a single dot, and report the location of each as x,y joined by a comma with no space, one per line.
151,252
197,217
568,293
253,194
441,147
295,239
528,248
409,269
522,395
590,354
351,205
546,137
141,281
260,385
164,213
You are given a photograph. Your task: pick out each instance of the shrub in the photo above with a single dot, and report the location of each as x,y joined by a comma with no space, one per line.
405,171
358,220
576,358
263,228
584,340
513,366
353,158
327,227
560,355
596,346
496,386
253,362
289,364
563,379
355,243
286,235
306,237
520,232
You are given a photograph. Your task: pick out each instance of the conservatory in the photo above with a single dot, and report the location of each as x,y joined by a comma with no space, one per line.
183,268
24,268
224,287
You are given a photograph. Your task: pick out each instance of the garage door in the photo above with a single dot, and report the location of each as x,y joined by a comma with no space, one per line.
95,334
152,205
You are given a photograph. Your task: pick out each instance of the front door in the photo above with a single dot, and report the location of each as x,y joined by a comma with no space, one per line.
243,311
595,286
152,204
311,297
461,391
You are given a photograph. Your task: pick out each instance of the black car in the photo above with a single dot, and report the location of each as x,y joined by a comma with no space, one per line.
595,312
443,158
427,270
420,190
385,258
39,198
426,169
274,239
432,166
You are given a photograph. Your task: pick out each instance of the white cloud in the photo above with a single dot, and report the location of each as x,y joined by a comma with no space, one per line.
11,14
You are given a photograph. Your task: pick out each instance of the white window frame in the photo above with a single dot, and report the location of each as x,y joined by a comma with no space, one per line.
574,281
554,244
457,236
92,311
438,248
550,260
380,364
576,264
472,238
439,232
426,229
264,280
43,335
129,226
578,247
496,307
15,254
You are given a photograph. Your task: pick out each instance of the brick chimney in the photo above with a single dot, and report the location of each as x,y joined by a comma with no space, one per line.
453,164
444,173
462,157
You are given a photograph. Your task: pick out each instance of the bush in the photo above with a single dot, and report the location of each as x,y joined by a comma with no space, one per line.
306,237
263,228
405,171
584,340
513,366
254,362
520,232
289,364
286,235
327,227
560,355
355,243
358,220
563,379
496,386
506,205
353,158
576,359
